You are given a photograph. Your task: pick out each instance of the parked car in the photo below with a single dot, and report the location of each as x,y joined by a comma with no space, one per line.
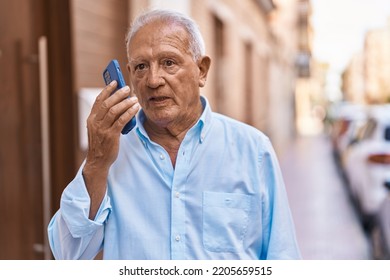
367,163
381,231
346,117
350,137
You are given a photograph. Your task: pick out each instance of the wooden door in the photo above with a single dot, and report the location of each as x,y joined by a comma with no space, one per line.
22,23
20,169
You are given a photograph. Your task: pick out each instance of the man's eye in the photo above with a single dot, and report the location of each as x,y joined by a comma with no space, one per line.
140,67
169,62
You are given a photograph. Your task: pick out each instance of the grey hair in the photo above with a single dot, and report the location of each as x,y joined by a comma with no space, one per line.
196,42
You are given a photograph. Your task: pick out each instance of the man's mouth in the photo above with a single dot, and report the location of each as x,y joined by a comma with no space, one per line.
158,98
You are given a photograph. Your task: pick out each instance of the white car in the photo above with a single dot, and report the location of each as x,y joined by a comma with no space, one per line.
345,118
367,163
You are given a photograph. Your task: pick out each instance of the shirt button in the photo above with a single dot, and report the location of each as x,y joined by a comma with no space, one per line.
162,157
177,194
177,238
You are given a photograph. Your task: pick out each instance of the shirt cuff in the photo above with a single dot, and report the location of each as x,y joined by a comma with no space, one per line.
75,206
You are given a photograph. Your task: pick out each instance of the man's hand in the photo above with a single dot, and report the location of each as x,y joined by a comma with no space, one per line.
109,114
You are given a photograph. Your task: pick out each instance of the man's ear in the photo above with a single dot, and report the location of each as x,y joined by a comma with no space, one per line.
204,66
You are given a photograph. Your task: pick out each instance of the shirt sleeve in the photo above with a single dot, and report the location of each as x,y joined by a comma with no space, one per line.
279,239
72,235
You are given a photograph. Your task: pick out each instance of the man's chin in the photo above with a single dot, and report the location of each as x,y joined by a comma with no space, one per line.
160,118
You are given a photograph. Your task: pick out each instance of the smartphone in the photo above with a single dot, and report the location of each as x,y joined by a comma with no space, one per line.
111,73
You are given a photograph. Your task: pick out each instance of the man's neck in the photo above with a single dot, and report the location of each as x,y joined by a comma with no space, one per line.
171,135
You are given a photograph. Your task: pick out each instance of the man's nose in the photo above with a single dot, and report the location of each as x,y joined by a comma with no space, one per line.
155,77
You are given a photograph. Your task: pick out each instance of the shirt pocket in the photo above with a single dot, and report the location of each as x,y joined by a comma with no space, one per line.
225,221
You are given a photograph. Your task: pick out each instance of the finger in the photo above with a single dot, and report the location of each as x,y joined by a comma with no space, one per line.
111,101
104,94
126,117
115,112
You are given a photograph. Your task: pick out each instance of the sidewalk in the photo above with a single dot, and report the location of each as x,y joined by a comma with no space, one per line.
326,223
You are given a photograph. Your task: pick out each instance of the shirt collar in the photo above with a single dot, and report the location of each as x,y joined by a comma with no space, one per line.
203,123
205,119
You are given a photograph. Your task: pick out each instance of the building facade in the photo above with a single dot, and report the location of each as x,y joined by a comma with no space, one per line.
366,78
353,85
377,65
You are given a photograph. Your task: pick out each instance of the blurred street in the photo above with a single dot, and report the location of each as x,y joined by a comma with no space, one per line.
327,225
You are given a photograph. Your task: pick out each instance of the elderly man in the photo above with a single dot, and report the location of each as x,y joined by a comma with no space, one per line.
185,183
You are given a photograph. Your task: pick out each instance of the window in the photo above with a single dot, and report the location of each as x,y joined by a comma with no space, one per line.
248,83
219,45
369,129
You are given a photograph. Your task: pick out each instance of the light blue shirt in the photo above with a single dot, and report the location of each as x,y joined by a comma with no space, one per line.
225,199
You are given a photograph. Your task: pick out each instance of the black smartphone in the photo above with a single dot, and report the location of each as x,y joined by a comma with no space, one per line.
111,73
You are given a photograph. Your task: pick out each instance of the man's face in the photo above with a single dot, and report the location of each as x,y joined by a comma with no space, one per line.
164,75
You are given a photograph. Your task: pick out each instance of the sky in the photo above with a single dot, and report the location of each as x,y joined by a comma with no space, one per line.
339,28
